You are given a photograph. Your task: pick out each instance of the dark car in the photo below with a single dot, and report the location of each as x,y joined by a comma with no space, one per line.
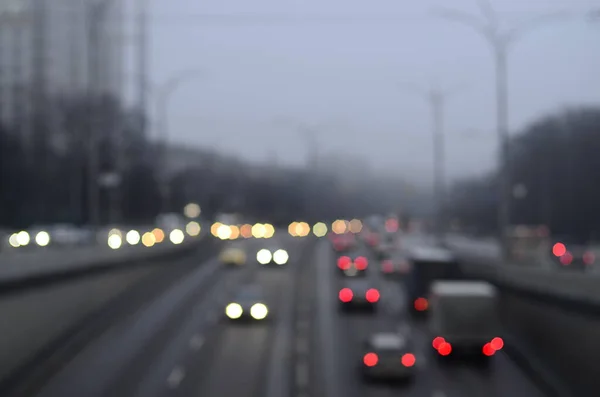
359,294
349,267
428,264
247,304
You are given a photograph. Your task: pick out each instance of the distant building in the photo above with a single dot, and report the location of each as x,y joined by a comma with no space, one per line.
347,169
54,34
180,158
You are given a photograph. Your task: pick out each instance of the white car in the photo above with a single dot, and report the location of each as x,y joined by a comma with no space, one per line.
388,357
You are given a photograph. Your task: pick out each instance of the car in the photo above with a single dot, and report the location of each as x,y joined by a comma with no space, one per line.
233,256
384,249
342,242
349,267
429,264
248,304
388,356
395,267
359,294
463,319
267,256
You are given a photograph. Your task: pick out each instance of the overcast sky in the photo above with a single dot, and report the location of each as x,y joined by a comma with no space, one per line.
338,66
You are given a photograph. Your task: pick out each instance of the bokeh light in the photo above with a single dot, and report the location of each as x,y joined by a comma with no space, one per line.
193,229
133,237
192,210
320,229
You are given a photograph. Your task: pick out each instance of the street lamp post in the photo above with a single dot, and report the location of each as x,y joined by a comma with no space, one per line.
500,42
436,97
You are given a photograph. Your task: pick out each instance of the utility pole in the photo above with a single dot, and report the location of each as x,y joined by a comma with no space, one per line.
436,97
500,42
96,17
38,102
142,60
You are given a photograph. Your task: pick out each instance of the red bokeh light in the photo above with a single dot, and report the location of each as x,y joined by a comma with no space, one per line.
370,359
346,295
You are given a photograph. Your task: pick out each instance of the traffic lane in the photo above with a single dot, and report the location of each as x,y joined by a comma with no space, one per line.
355,328
233,357
434,378
29,320
503,378
110,361
336,353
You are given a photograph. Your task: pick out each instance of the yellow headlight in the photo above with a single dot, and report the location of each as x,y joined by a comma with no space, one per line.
234,311
258,311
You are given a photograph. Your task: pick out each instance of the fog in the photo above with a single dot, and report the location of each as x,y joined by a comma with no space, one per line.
270,67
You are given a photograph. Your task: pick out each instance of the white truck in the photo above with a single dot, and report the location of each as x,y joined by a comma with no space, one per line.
463,319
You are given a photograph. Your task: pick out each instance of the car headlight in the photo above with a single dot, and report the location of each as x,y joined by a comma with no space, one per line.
258,311
264,256
280,257
234,311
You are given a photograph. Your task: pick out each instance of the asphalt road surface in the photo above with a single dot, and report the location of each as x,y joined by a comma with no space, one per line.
180,344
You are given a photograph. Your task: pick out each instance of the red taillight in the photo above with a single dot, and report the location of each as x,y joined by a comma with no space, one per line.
497,343
344,262
566,259
421,304
370,359
408,360
346,295
445,349
437,342
588,258
387,267
361,263
372,295
404,267
488,350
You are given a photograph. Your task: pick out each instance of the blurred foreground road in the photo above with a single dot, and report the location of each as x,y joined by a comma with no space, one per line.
177,342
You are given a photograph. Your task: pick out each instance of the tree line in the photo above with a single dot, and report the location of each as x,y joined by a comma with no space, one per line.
555,172
45,175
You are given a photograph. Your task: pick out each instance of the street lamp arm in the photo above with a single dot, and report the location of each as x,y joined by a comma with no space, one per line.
517,32
171,85
466,19
414,89
488,12
455,89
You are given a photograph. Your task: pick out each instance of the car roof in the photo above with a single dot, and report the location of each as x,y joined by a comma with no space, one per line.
462,288
433,254
387,340
358,283
250,291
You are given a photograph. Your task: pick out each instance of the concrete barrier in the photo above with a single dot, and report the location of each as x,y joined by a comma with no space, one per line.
35,269
553,317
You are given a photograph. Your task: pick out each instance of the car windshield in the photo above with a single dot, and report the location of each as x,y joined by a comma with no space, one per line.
250,293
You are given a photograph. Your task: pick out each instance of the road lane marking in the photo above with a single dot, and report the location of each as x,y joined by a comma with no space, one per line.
301,375
196,342
438,393
175,377
301,345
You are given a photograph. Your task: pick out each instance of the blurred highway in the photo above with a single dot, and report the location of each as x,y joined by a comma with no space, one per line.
336,355
178,341
179,344
110,246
